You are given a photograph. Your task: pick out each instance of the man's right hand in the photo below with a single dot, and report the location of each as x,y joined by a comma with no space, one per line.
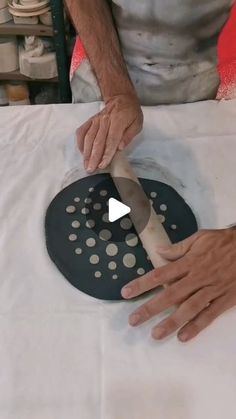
110,130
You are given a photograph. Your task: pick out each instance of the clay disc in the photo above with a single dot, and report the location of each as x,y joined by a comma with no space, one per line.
84,246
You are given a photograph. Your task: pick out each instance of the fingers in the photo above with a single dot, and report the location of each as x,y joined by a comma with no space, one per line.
157,277
80,134
176,251
186,312
167,298
89,140
99,144
114,137
205,318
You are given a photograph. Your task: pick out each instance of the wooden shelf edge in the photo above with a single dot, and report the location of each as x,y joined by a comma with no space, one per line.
11,28
16,75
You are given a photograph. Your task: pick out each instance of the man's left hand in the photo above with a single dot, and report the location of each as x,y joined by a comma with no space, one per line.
201,283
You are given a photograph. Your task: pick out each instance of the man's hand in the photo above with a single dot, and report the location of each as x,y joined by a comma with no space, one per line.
201,282
112,129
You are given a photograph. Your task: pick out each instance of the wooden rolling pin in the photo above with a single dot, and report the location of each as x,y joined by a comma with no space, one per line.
153,233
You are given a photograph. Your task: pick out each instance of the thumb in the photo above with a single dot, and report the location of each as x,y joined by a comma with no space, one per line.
178,250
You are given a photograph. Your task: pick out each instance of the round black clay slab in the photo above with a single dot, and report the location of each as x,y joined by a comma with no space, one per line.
96,256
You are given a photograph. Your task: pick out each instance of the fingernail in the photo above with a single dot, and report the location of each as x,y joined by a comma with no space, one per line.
183,337
103,166
126,292
90,169
158,333
134,319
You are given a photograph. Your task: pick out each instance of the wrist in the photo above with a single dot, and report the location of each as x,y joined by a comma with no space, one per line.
121,87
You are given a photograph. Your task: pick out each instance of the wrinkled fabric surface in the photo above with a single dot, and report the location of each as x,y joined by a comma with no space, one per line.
66,355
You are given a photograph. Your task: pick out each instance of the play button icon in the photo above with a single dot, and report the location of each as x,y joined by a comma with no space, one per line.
117,210
111,214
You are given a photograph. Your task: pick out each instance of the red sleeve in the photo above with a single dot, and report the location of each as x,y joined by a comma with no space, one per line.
227,58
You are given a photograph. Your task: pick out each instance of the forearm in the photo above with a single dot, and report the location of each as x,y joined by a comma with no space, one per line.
93,21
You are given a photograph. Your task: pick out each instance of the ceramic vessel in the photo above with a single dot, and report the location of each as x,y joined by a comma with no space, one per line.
15,12
17,91
3,4
31,20
28,7
46,18
9,60
5,16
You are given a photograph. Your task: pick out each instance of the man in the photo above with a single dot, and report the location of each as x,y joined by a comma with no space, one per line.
164,52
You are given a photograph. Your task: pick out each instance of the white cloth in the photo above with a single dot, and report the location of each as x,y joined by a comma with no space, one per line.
64,355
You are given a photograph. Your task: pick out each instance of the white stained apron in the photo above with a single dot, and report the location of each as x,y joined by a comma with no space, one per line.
170,48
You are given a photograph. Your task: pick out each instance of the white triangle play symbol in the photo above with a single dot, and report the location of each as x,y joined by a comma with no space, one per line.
117,210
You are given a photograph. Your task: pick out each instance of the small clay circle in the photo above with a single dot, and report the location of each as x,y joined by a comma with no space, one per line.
111,249
90,223
77,199
103,193
129,260
94,259
87,200
91,190
173,227
91,242
76,224
131,240
105,218
153,195
163,207
140,271
105,235
97,207
78,251
126,224
70,209
114,276
98,274
72,237
112,266
85,211
162,218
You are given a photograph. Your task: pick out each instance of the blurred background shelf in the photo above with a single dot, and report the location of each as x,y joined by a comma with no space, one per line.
58,33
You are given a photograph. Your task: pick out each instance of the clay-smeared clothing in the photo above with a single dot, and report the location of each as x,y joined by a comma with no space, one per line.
169,47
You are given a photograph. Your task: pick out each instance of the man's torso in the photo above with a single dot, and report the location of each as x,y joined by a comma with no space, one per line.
170,46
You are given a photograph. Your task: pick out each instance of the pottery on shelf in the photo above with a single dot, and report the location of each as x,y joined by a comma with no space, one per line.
9,59
28,14
28,7
24,8
17,91
3,4
46,18
38,67
5,16
30,20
